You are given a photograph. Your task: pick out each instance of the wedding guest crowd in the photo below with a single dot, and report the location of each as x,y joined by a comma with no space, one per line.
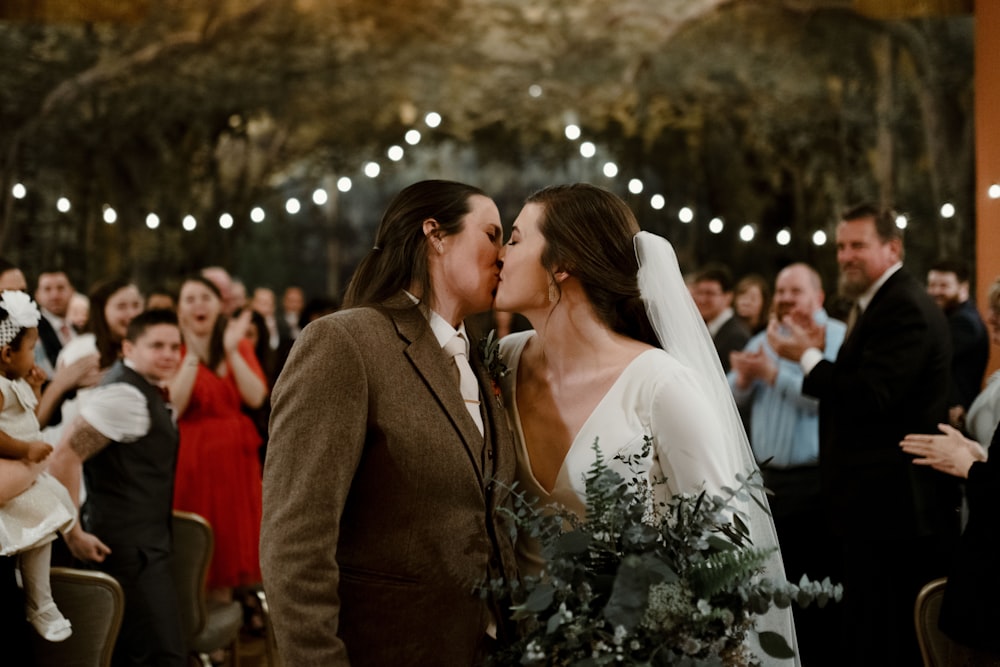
384,464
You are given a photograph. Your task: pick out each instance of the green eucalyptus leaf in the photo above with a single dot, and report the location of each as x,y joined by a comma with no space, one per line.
775,645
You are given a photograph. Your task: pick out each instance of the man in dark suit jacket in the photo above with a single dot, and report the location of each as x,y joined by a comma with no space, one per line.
129,467
713,295
948,285
894,521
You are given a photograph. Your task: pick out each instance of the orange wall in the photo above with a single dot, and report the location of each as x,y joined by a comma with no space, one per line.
987,86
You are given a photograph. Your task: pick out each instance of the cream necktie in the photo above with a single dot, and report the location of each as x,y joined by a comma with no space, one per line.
466,378
852,318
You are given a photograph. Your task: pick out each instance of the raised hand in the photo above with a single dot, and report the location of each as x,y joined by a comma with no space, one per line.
236,330
951,453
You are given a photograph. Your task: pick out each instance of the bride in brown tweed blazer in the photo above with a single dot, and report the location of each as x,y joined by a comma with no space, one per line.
379,503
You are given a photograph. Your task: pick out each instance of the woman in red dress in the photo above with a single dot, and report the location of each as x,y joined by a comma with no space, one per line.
218,470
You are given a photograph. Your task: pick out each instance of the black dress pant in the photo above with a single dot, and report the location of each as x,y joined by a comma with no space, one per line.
151,628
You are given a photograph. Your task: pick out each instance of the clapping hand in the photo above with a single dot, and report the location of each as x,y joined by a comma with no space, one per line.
751,366
795,333
951,453
236,330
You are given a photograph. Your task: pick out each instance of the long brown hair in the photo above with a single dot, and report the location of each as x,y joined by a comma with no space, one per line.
589,233
216,347
399,257
101,292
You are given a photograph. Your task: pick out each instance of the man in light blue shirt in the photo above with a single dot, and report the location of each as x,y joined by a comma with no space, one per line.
784,434
784,423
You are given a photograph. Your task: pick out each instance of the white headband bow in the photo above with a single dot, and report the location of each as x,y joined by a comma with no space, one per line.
22,313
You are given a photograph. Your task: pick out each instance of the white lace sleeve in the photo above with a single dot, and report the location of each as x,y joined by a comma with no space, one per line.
117,411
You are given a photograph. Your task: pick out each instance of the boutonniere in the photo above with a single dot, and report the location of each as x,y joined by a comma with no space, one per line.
489,349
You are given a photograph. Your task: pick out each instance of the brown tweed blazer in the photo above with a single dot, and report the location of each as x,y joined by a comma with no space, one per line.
379,512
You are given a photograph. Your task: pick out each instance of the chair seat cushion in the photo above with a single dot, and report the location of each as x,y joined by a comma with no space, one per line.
222,625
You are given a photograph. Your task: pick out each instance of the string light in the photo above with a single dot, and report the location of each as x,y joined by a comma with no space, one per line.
319,196
535,90
657,202
588,149
19,191
901,221
110,215
62,205
686,215
225,221
293,206
783,237
189,223
412,137
152,221
432,119
572,132
715,225
257,214
635,186
344,184
747,233
947,210
395,153
994,191
819,238
372,169
610,169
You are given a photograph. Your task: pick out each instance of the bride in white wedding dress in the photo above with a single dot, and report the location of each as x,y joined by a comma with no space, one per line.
617,352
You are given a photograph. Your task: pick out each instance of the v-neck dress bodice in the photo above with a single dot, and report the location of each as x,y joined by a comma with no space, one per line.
654,396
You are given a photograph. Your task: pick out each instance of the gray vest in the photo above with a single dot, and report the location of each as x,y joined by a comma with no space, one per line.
130,486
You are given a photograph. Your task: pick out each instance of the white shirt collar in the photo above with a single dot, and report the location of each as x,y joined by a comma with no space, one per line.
869,293
720,319
442,329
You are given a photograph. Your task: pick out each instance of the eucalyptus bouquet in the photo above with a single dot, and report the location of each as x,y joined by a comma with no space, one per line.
640,583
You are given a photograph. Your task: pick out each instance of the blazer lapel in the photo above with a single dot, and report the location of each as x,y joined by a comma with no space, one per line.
435,368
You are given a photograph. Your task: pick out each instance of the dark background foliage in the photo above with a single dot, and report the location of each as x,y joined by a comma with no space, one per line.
774,113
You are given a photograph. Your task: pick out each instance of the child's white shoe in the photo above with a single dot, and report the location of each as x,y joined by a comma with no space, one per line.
50,623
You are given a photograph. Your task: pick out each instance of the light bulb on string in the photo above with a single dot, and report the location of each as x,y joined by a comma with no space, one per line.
19,191
535,90
635,186
412,137
189,223
572,132
110,215
257,214
715,225
783,237
152,221
947,210
994,191
395,153
901,221
320,197
344,184
686,215
432,119
372,169
63,205
819,237
293,206
747,233
588,149
657,202
610,169
225,221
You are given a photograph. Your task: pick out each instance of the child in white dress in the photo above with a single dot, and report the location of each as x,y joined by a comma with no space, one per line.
34,506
